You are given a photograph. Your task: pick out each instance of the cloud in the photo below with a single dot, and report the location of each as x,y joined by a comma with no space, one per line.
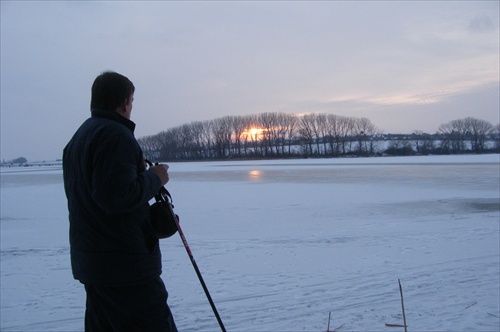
195,61
481,24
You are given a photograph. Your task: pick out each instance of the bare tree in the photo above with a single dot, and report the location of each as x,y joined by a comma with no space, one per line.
477,130
168,142
364,129
238,125
269,124
457,133
347,131
496,136
186,141
253,135
454,134
316,131
199,148
221,130
331,133
322,131
306,131
285,131
207,139
150,146
290,125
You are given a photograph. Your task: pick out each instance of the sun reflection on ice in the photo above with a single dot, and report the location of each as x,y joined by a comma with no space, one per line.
255,175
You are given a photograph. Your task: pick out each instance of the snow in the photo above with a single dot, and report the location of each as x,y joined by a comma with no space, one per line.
283,243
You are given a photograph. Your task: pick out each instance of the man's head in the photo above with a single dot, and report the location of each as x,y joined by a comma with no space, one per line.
112,91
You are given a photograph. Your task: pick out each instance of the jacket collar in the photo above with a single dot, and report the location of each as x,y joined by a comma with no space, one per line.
100,113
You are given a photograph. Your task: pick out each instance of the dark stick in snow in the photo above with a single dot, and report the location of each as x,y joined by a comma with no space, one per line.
402,305
402,308
328,328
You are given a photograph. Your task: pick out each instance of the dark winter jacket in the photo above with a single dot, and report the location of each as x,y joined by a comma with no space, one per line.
108,189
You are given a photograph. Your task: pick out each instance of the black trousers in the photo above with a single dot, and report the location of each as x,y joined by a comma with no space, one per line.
142,307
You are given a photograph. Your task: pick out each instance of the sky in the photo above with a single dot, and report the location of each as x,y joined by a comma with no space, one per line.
405,65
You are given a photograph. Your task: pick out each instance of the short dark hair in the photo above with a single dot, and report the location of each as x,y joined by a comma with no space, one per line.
110,90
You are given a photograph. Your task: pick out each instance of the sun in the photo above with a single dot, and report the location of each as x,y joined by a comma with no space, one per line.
253,133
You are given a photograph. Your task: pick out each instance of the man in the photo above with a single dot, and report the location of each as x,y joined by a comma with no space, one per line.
114,250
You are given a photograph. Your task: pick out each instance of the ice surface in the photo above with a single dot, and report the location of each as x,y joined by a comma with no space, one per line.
283,243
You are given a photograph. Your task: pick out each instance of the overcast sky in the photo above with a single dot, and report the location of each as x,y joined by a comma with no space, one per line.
404,65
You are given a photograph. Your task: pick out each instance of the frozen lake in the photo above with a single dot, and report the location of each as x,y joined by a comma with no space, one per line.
282,243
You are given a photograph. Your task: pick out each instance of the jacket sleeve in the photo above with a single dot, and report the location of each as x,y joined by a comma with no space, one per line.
120,182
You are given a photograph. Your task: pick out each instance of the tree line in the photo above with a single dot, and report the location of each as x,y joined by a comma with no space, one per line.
281,135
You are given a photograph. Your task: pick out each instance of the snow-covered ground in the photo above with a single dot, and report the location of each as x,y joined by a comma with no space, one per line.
281,244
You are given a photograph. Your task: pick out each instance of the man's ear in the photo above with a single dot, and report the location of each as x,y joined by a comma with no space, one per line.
121,109
123,106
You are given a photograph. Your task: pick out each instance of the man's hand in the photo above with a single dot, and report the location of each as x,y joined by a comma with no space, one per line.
161,171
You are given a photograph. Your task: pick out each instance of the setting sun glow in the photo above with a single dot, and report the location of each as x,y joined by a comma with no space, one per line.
253,132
